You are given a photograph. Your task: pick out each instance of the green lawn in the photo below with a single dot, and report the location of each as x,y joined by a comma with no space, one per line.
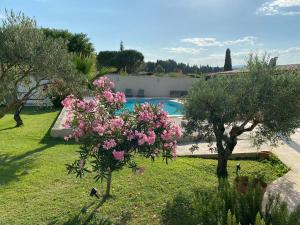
36,189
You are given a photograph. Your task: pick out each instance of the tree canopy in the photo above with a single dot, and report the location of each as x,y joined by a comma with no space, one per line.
29,59
170,65
126,60
227,64
76,42
264,100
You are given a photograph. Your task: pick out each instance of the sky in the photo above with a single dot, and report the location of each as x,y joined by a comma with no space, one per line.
190,31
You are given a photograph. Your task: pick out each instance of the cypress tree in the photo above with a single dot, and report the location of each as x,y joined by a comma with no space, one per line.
121,46
227,65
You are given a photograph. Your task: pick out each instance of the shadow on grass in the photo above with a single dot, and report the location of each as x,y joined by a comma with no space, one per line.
8,128
88,216
14,166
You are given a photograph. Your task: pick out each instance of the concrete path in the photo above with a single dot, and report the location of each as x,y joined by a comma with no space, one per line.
288,186
244,147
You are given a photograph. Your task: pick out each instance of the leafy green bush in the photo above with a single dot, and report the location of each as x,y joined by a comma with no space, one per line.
226,206
275,162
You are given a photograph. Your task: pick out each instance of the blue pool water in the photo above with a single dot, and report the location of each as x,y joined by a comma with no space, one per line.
173,108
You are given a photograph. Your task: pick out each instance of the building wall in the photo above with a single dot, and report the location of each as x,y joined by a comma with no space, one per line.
153,86
38,97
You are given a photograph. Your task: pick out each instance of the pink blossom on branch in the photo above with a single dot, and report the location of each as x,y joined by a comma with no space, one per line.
109,144
108,96
102,132
118,155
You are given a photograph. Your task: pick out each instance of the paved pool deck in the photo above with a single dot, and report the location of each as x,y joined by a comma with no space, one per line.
288,186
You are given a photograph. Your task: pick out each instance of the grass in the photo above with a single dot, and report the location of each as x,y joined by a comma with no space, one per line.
36,189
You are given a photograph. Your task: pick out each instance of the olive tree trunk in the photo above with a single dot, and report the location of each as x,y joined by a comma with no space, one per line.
222,166
225,146
17,116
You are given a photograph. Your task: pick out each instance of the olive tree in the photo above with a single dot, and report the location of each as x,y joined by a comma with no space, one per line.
264,100
30,60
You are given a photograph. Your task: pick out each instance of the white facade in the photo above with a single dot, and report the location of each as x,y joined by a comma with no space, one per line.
153,86
38,96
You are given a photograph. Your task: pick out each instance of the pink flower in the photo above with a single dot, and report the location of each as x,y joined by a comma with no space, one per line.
176,131
142,138
108,96
78,133
68,102
130,136
90,105
81,105
99,129
104,83
116,123
69,119
109,144
151,137
81,125
120,97
166,135
118,155
145,116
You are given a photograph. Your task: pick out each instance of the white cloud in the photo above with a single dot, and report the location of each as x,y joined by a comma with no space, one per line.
245,40
182,50
249,40
293,50
202,41
280,7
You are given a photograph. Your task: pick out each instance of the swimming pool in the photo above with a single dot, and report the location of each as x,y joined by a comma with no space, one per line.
173,108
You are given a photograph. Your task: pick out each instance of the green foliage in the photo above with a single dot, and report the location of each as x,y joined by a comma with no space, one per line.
226,206
130,60
85,64
231,219
227,64
259,220
279,167
107,59
77,43
179,211
126,60
121,46
30,59
223,205
159,69
171,66
263,98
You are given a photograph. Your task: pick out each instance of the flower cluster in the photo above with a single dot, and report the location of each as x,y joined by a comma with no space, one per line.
109,140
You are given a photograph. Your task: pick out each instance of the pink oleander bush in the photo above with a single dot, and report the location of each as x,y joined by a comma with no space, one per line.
110,136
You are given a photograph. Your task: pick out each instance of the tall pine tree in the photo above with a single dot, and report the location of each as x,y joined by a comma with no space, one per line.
227,65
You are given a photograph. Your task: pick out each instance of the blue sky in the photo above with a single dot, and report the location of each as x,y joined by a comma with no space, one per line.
190,31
